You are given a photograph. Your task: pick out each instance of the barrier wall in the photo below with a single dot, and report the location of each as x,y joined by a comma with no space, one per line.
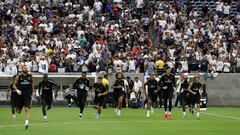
224,90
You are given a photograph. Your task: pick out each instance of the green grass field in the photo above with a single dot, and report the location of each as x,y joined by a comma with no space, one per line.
65,121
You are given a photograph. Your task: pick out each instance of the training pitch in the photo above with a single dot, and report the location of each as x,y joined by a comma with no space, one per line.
65,121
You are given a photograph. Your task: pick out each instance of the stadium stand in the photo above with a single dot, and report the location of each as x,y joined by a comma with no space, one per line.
119,35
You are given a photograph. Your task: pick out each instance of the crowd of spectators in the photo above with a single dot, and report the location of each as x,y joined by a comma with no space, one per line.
134,36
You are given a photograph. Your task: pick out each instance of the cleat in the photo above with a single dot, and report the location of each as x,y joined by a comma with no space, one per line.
45,119
80,116
169,116
26,127
166,116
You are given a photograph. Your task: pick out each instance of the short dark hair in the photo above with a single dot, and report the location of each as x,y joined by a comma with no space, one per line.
99,77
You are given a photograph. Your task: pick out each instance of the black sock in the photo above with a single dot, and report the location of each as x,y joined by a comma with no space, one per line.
165,105
13,110
170,105
44,111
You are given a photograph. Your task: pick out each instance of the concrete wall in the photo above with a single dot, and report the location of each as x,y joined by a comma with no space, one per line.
223,90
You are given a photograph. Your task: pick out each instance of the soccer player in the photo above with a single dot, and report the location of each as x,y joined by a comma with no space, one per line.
151,93
196,89
184,93
82,85
45,89
24,86
100,93
13,98
167,83
118,92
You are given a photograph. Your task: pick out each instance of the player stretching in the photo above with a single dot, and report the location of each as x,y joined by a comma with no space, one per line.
151,93
82,86
100,92
196,88
118,93
46,92
24,86
13,98
167,82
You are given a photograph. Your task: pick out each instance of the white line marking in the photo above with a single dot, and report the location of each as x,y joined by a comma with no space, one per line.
90,122
221,116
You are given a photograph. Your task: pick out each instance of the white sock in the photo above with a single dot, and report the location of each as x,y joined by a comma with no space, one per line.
169,112
166,112
119,112
184,113
26,122
14,116
80,114
198,114
116,110
45,117
148,112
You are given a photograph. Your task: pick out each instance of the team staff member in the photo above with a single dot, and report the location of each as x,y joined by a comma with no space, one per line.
168,85
13,97
151,93
100,93
24,86
45,88
118,92
82,85
196,89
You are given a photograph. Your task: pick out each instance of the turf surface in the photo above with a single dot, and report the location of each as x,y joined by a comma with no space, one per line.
65,121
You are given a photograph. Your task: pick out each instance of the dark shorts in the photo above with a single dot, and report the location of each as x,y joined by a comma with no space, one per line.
14,99
98,100
82,97
152,96
117,94
46,99
24,101
196,98
167,94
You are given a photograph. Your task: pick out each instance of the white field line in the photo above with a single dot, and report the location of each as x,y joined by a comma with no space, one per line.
221,116
90,122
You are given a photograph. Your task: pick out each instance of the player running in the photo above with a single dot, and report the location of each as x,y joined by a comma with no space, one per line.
167,83
24,86
13,98
184,93
100,93
151,93
118,92
82,85
45,88
196,89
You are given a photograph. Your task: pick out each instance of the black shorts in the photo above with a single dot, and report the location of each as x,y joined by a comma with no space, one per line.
152,96
46,99
117,94
99,100
24,101
196,98
167,94
81,97
14,99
